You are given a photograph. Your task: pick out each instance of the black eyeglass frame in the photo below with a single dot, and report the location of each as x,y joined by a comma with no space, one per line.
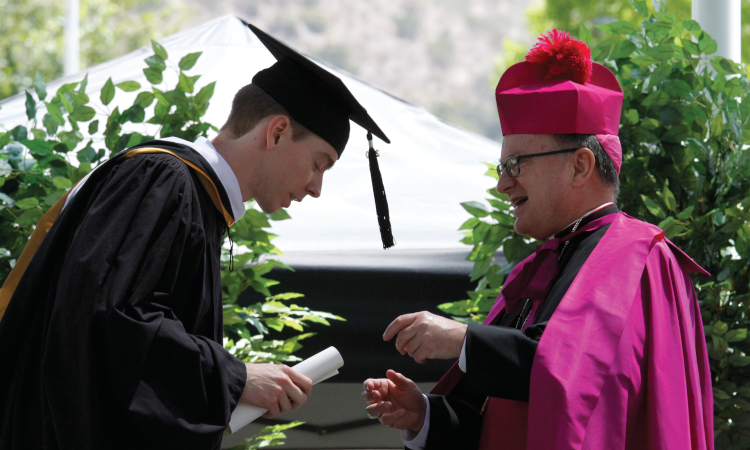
503,165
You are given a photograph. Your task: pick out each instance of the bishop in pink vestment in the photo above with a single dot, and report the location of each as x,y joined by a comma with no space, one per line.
596,340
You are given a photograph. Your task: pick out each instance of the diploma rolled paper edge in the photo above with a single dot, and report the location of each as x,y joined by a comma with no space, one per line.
318,367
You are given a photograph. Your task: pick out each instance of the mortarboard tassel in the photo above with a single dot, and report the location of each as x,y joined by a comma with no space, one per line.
381,203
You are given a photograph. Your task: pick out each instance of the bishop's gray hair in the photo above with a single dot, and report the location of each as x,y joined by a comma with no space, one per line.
604,164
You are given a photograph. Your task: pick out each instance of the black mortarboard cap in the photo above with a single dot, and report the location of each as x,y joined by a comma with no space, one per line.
320,102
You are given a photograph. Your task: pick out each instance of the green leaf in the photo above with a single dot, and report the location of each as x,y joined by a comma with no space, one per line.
205,94
156,62
706,44
622,49
39,134
643,61
188,61
65,100
621,27
656,99
718,217
640,7
677,88
40,87
476,209
669,199
691,48
739,360
144,99
27,203
4,139
692,26
62,183
662,52
108,92
79,98
186,83
83,113
129,86
276,324
631,116
584,34
460,308
94,127
736,335
84,83
720,328
154,76
724,66
39,147
281,214
653,207
87,154
686,213
159,50
30,106
721,395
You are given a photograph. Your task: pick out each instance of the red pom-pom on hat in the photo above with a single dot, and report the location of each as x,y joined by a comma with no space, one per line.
563,57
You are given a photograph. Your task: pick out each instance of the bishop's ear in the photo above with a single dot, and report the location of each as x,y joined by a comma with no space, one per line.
279,128
584,166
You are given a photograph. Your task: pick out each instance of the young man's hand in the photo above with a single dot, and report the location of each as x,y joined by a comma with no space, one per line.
424,336
277,388
396,401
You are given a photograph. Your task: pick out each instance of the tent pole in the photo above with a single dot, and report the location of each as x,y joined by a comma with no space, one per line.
721,19
72,45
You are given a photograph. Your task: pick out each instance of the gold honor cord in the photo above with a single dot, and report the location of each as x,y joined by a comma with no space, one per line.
49,218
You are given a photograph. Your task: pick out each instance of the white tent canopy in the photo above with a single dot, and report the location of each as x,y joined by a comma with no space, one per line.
430,167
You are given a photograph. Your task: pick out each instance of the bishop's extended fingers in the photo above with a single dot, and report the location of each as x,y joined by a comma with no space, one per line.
399,324
392,420
371,396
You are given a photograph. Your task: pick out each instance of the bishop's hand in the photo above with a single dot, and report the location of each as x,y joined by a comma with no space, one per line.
396,401
424,336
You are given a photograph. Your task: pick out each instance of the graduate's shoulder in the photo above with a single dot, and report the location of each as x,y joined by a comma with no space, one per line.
161,166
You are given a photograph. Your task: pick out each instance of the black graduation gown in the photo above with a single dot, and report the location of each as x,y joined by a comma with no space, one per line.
499,357
113,337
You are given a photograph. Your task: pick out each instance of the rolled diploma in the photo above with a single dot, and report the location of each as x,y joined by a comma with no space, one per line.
319,367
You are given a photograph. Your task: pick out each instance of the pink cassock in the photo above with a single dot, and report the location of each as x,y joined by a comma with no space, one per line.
622,363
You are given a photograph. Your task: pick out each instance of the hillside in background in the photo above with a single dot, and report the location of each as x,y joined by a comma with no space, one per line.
438,54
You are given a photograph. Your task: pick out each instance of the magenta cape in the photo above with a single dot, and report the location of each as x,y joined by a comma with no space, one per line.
622,364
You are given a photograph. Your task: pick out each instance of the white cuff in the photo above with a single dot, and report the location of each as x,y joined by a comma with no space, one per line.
462,358
419,441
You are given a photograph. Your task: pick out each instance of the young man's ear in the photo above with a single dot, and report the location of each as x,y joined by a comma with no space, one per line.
584,165
277,128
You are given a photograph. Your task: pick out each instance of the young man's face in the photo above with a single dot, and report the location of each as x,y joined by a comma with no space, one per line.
292,171
539,193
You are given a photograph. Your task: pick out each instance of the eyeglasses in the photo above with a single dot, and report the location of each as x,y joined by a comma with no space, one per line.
514,169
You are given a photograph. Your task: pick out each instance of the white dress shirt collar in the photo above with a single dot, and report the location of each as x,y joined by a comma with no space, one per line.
222,170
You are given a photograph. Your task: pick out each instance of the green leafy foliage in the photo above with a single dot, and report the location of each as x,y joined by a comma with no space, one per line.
686,168
36,170
245,326
489,231
268,437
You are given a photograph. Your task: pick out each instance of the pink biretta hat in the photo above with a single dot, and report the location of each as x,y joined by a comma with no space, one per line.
558,90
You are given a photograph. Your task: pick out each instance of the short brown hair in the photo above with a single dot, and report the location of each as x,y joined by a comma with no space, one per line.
251,104
604,164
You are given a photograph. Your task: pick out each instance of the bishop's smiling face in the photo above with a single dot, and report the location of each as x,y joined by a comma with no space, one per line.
540,191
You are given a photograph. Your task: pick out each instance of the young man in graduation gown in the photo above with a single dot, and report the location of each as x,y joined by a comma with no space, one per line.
596,340
112,335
